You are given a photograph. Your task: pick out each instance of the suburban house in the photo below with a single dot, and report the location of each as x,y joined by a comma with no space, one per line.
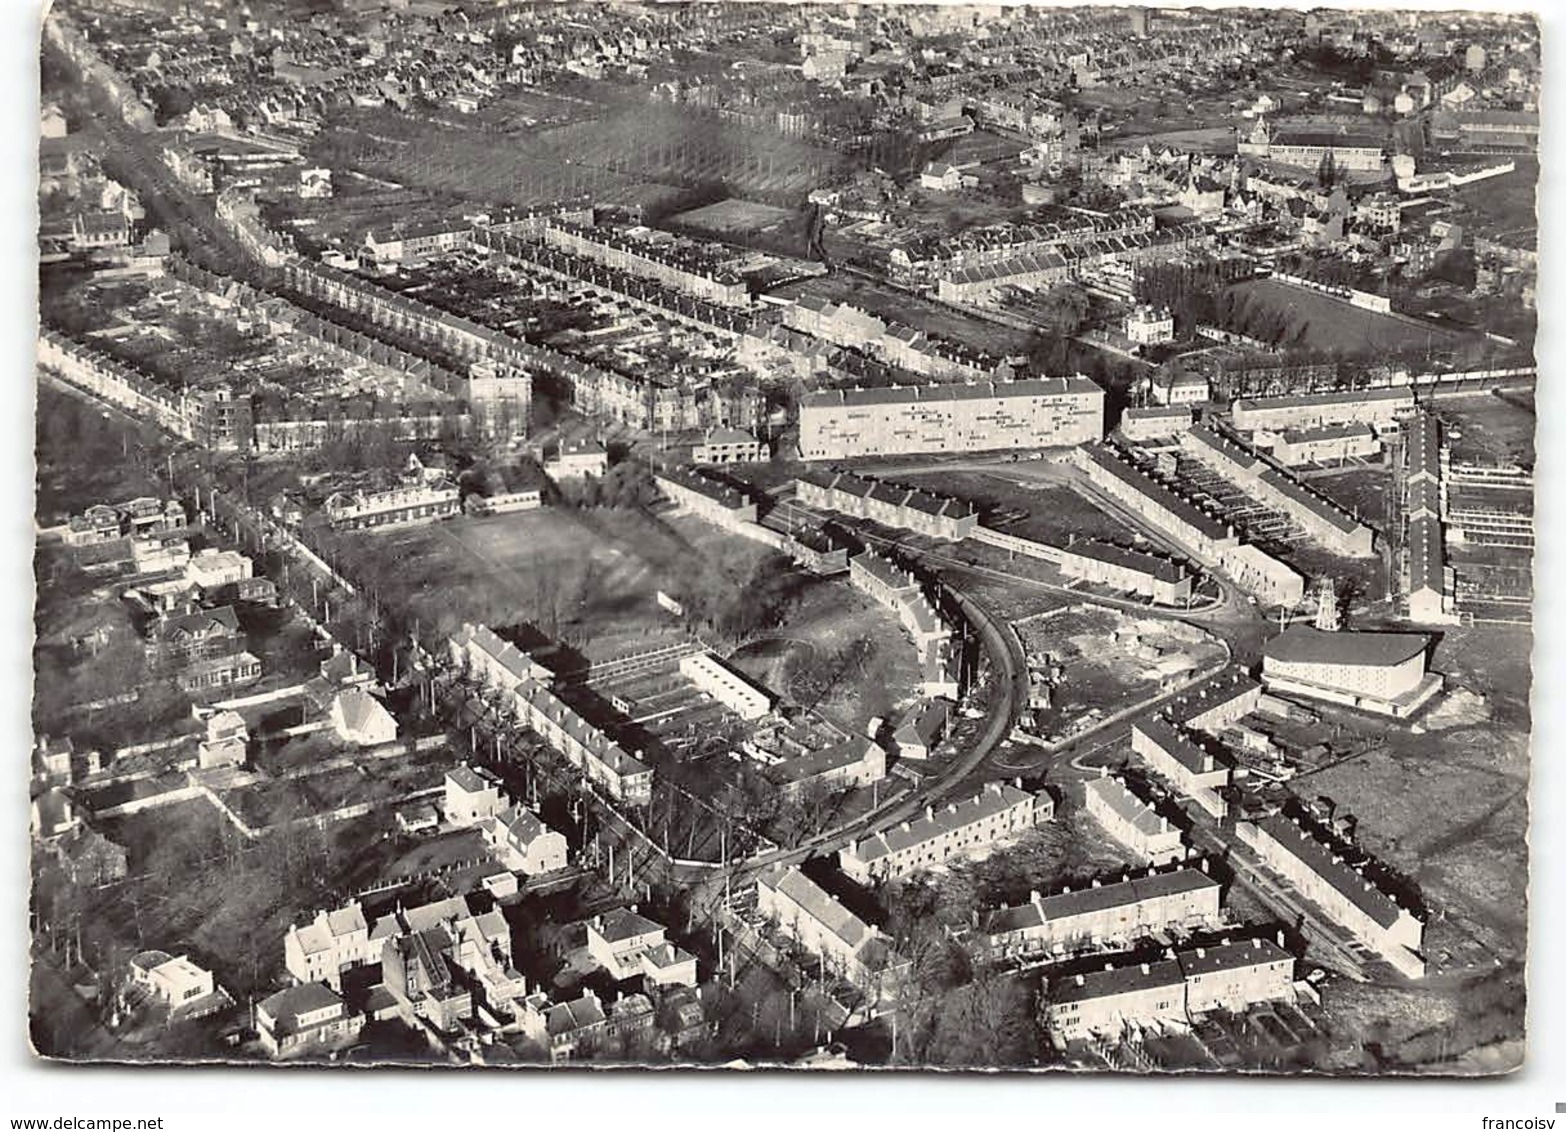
335,941
728,446
473,795
575,1027
361,719
207,634
523,843
923,730
172,980
628,945
310,1018
421,974
574,459
226,743
89,859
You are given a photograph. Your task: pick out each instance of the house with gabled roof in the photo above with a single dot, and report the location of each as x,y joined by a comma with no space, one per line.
941,834
310,1018
335,941
523,843
628,945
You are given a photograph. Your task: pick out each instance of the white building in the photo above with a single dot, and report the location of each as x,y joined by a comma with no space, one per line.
1049,412
473,794
1147,326
523,843
998,811
1376,672
361,719
1132,822
332,943
725,685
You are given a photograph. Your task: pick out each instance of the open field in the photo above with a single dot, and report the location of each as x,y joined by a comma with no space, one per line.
1365,493
1109,661
1504,205
733,216
538,566
1488,429
834,626
85,456
445,157
1449,807
1332,324
1052,509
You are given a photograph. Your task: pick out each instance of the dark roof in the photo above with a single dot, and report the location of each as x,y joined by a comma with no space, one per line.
1320,860
1179,746
1117,981
1302,644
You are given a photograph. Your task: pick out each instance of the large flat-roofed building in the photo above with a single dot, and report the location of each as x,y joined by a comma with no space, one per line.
1132,822
1178,757
1378,408
1321,874
1378,672
1125,910
997,811
1047,412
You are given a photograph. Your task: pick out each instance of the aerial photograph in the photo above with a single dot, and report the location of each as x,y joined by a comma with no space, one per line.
796,536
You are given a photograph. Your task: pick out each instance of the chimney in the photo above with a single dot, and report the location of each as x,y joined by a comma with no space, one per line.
1017,782
1146,970
1201,953
1097,883
929,813
1280,937
1080,980
1205,867
1109,966
1163,824
1066,890
1103,772
1255,942
1035,898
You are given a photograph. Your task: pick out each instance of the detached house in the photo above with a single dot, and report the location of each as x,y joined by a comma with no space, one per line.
523,843
628,945
308,1019
361,719
473,796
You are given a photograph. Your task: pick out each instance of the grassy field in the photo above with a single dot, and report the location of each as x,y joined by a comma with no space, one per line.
1053,510
1450,806
84,457
538,566
1332,324
829,619
732,216
1489,429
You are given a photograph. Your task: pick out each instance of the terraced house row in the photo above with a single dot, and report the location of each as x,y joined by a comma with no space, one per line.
1170,991
528,687
1125,910
1252,473
999,810
1196,530
938,516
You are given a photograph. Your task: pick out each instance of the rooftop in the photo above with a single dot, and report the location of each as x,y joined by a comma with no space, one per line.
1302,644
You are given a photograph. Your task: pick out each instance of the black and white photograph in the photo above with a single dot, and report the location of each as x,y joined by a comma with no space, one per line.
768,536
